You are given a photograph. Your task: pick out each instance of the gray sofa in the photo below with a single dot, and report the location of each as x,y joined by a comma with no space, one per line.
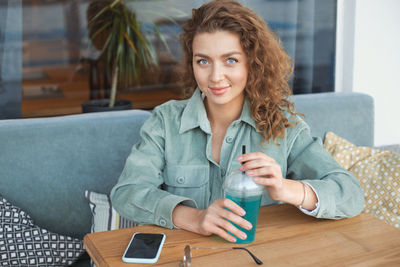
46,164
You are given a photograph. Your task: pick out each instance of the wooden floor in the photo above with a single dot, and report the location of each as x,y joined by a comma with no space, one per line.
73,85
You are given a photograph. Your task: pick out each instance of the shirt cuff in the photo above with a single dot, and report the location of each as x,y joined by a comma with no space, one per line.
163,214
314,211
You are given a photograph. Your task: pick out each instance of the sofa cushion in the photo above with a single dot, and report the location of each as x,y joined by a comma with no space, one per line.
22,243
105,217
47,163
348,114
378,173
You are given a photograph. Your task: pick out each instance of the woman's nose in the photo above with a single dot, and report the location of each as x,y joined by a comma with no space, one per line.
217,73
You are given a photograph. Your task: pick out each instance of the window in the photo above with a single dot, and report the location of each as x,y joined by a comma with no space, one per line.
48,64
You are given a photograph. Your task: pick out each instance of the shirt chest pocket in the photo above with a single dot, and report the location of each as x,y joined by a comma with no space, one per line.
189,181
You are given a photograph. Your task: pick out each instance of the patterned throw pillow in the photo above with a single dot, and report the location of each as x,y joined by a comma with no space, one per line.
378,173
105,217
24,244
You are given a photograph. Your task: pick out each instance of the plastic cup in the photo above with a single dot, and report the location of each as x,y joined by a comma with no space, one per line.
242,190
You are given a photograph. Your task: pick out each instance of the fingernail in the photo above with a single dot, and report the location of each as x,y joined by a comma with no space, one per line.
249,226
239,158
257,180
244,236
233,239
250,172
243,213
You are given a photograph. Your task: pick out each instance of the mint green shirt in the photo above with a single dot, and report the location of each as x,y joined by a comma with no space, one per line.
173,164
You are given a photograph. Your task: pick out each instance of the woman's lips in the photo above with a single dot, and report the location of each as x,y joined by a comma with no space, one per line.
219,90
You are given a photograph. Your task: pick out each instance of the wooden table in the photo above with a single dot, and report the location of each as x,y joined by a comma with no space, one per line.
284,237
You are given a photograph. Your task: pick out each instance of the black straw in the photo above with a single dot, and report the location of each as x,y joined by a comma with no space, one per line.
243,182
243,152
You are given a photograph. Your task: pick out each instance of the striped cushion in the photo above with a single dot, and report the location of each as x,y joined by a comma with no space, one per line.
105,217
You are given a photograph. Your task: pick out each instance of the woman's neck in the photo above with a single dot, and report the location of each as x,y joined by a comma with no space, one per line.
220,117
223,115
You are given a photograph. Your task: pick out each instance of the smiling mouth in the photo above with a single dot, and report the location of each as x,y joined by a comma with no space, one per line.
219,90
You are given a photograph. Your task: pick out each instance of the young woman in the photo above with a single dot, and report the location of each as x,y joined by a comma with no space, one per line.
237,75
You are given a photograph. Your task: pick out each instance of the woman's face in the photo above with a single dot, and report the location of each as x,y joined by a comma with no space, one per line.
220,67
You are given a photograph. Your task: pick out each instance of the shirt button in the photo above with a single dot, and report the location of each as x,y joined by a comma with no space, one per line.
223,172
229,139
180,180
163,222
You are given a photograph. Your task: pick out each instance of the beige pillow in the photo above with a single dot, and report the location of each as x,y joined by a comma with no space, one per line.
378,173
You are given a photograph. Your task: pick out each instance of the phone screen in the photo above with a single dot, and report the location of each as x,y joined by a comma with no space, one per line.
144,246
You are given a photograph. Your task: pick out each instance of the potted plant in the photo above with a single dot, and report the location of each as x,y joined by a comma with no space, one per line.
116,32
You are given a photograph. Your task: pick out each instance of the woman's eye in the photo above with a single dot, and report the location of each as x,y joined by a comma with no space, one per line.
202,61
231,60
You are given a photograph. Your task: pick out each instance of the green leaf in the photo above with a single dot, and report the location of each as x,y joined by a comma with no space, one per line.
98,14
116,2
177,13
161,36
101,29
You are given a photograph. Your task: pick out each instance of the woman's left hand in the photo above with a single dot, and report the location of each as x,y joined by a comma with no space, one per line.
265,171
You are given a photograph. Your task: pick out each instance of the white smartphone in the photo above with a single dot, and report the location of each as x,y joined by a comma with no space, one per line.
144,248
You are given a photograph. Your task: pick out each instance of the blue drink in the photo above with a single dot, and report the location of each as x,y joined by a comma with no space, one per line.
242,190
251,204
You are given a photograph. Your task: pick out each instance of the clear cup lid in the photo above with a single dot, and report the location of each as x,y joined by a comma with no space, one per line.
240,184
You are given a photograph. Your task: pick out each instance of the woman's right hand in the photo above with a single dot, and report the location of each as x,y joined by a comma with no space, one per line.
213,220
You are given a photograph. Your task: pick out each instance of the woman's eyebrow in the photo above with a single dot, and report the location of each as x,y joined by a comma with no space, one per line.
224,55
231,54
201,55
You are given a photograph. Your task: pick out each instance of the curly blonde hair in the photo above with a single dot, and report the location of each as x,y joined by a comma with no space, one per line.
269,66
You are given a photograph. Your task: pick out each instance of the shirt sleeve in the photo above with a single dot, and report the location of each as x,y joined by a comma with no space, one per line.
316,209
339,193
138,195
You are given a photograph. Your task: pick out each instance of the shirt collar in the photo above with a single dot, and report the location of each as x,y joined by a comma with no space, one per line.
246,114
194,115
